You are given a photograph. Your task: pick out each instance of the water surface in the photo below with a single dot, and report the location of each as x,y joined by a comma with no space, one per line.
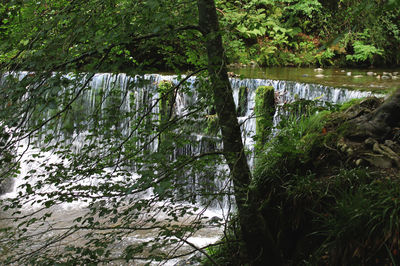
378,80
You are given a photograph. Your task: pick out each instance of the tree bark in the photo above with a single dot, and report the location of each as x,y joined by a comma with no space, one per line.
258,240
387,115
381,121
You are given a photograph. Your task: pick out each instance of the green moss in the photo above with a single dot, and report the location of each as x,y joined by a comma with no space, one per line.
166,95
167,100
348,104
243,96
264,111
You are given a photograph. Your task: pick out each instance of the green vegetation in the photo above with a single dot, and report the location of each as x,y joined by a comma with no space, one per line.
264,111
142,171
312,32
243,100
321,207
167,96
265,32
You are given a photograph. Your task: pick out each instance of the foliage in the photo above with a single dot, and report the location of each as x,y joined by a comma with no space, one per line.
68,32
362,51
303,33
229,250
364,225
301,124
93,175
74,137
325,211
325,57
346,105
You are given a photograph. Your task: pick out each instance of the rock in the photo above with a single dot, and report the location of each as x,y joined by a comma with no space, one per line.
319,76
243,101
232,75
386,74
215,220
395,77
348,73
389,142
385,77
375,147
342,71
193,260
305,75
253,63
370,73
378,77
395,73
6,185
358,76
364,107
264,111
318,70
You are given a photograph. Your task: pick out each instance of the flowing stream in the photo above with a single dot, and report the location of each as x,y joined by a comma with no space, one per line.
136,93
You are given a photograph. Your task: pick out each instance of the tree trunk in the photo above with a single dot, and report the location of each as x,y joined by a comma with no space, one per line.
381,121
259,243
387,115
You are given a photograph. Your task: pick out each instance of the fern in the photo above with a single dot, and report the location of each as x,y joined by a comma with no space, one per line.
363,52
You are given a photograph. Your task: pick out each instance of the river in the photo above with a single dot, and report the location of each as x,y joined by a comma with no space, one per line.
379,79
108,95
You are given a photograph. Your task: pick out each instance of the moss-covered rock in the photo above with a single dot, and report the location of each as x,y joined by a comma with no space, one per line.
166,105
264,111
8,163
243,100
167,100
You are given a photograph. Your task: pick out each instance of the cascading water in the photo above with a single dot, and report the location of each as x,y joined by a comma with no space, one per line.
123,104
286,92
140,93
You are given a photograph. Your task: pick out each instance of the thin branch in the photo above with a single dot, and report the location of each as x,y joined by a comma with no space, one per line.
198,249
62,110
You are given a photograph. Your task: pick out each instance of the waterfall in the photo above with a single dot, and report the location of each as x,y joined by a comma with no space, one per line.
90,145
286,92
121,94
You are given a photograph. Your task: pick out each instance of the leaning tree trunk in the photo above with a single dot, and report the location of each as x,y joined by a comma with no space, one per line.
256,235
